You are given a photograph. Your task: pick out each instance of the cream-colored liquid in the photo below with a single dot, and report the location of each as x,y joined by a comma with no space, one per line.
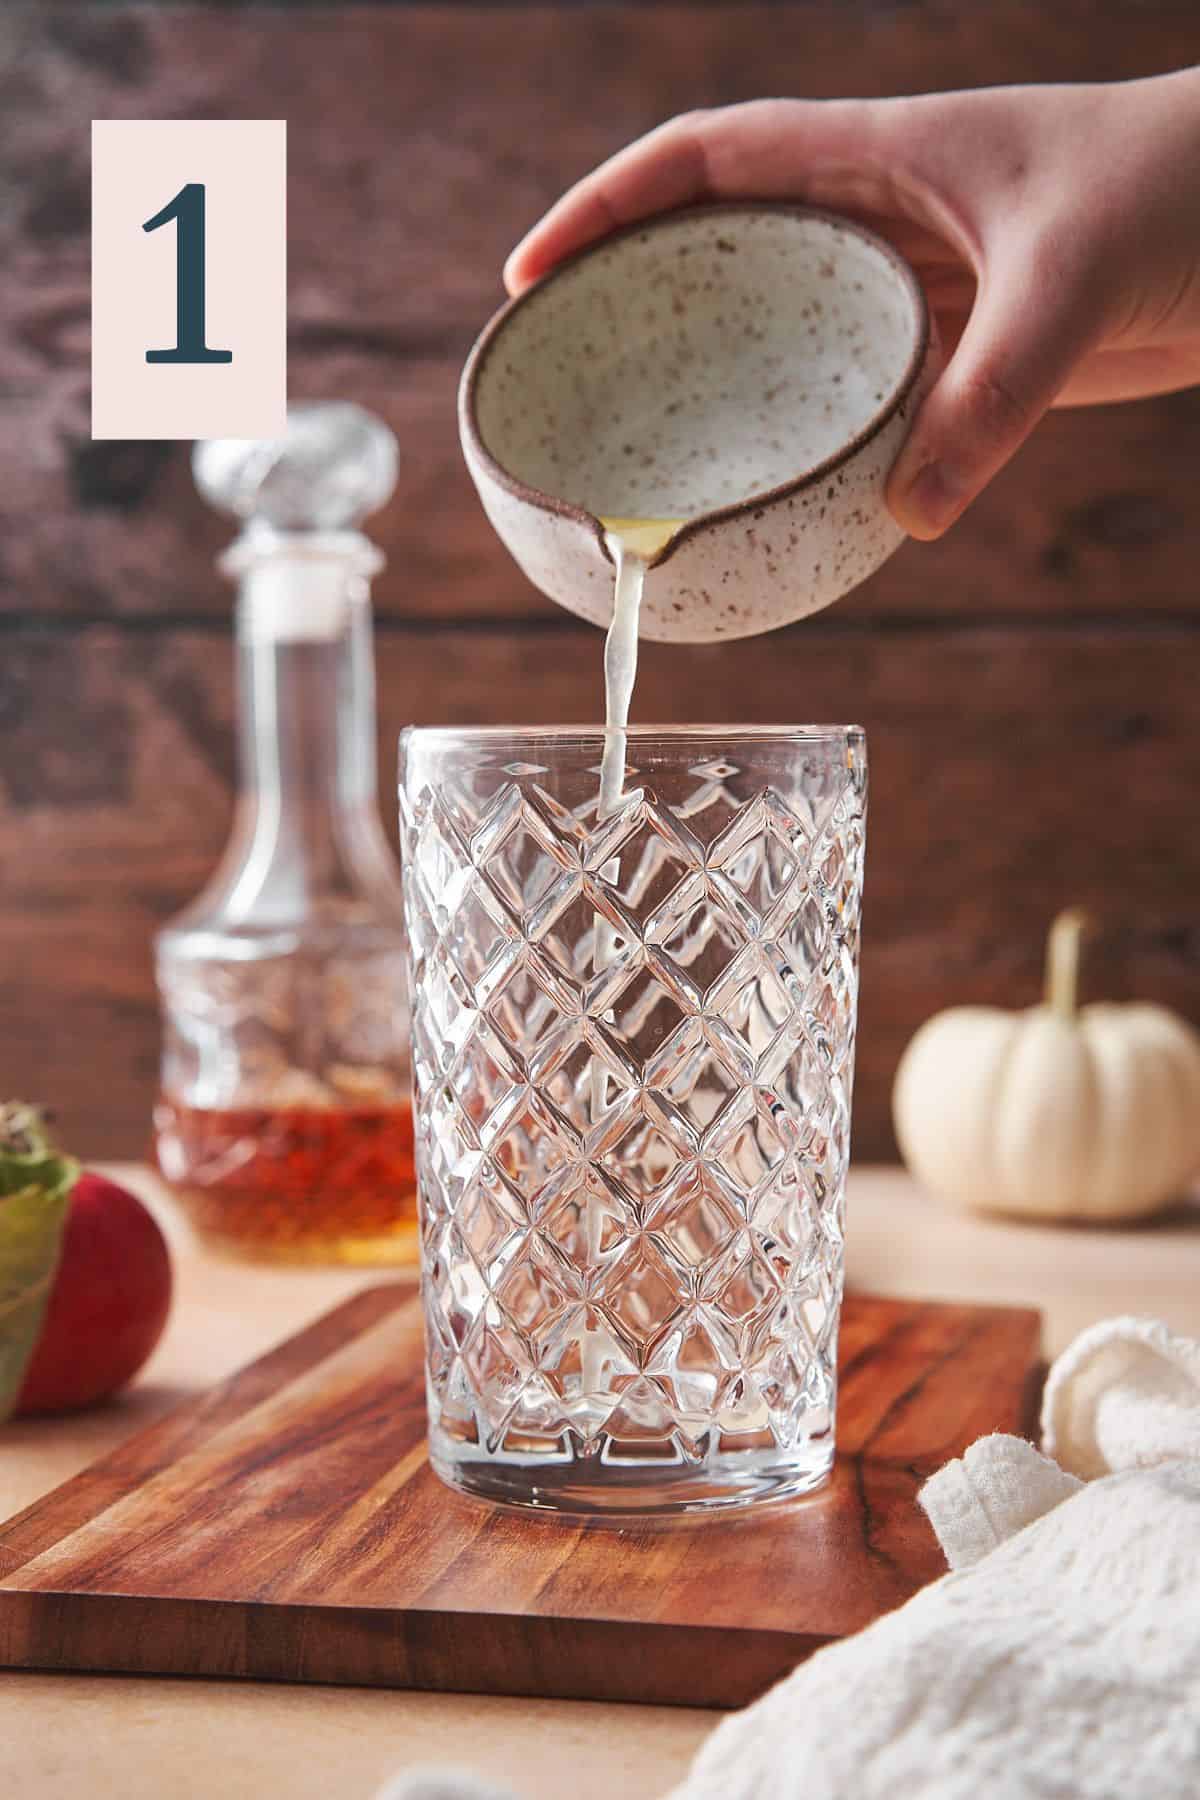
620,668
646,536
632,544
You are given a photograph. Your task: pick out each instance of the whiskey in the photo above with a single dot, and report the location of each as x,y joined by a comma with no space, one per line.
295,1183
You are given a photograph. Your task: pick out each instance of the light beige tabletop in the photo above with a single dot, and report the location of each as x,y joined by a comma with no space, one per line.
120,1738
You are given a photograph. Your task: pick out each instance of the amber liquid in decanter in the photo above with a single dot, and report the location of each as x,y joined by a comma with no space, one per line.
295,1183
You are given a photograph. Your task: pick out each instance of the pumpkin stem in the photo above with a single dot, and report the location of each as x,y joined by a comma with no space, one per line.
1062,960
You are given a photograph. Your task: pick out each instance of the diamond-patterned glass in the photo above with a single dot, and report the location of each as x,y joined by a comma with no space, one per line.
633,1058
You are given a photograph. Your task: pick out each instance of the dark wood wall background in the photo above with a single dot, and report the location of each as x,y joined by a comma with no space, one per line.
1029,685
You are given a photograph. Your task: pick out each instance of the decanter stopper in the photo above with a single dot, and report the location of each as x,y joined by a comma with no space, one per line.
301,559
334,464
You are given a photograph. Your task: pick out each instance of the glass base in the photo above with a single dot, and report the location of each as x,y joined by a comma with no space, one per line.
588,1485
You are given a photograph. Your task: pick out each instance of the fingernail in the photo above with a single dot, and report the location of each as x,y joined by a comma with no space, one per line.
515,277
930,502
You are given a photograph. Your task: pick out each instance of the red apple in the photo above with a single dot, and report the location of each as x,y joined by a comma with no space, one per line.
108,1305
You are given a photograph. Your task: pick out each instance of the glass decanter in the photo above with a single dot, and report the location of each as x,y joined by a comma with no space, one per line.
284,1121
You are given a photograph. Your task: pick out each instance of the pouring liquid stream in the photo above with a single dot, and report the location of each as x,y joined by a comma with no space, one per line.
632,544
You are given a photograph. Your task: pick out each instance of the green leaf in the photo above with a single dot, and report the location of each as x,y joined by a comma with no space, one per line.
35,1192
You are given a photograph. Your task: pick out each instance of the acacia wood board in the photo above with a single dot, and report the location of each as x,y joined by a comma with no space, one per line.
288,1527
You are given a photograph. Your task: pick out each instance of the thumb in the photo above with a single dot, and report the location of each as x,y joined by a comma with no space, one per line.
1025,335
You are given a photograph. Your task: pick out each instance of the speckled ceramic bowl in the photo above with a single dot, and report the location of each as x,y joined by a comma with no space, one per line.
752,369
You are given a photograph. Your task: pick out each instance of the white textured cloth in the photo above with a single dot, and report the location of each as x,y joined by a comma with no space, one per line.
1065,1665
1125,1395
1001,1485
1060,1658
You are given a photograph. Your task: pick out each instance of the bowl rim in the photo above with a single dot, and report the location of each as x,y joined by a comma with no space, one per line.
552,503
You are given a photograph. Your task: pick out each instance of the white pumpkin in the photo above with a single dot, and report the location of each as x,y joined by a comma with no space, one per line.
1058,1112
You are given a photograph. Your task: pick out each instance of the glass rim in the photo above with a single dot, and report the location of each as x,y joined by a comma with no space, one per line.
595,734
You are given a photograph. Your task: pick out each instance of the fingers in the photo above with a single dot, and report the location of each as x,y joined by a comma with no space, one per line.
821,150
667,168
955,199
1031,325
1131,374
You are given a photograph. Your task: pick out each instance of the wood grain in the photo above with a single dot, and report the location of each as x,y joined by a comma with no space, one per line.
1026,683
1009,777
288,1527
425,140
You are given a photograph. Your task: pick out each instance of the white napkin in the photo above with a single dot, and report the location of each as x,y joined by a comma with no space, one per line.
1125,1395
1059,1660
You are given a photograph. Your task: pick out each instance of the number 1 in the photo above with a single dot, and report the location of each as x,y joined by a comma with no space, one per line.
187,210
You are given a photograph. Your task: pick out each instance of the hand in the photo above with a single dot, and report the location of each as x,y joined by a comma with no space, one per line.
1056,231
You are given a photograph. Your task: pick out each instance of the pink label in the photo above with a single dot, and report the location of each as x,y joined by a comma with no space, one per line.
189,278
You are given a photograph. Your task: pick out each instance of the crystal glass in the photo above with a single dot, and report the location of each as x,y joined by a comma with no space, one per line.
633,1045
284,1120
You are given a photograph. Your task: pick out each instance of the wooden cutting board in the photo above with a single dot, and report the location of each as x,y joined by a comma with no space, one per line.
288,1527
